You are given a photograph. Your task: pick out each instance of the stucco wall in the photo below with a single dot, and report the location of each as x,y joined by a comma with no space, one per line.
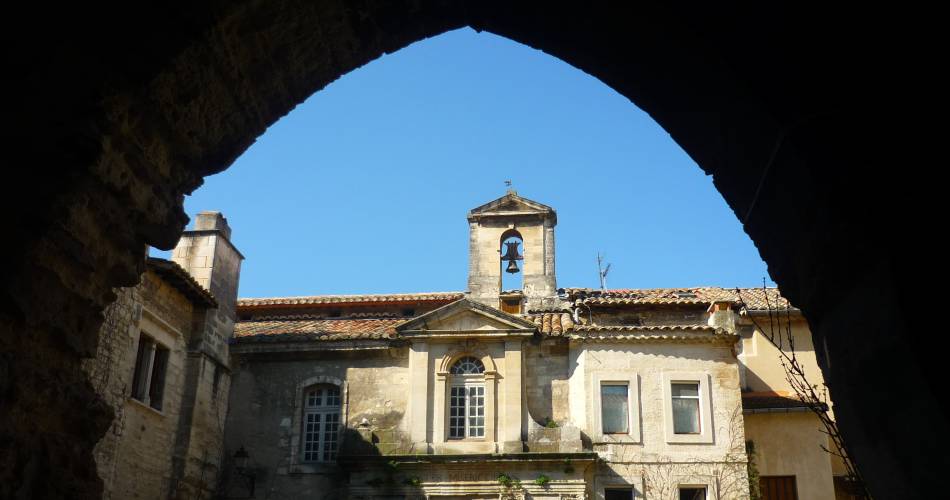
265,406
646,458
761,359
789,444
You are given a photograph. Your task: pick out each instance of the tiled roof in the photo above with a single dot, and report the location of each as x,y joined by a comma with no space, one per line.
297,328
178,277
754,298
643,328
351,299
652,333
552,323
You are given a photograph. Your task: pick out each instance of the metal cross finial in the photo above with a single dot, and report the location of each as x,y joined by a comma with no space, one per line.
508,183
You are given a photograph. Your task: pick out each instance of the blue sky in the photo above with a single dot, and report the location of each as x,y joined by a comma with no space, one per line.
364,187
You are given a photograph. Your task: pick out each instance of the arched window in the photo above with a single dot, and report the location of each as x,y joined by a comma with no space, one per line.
467,399
321,423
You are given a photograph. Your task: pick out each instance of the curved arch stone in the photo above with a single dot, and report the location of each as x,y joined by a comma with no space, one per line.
781,121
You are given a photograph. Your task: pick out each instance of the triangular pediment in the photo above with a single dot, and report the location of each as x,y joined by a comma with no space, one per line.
466,316
510,204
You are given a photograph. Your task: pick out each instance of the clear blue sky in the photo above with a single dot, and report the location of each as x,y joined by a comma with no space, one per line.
364,187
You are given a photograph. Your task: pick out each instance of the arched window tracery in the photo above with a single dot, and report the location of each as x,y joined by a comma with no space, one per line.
468,365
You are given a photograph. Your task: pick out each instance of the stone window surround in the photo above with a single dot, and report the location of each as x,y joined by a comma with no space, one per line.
706,435
632,379
697,481
161,333
443,379
296,463
609,480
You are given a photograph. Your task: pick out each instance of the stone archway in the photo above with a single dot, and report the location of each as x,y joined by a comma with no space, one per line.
119,113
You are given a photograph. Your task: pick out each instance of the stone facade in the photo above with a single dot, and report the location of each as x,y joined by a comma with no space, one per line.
167,442
539,387
536,392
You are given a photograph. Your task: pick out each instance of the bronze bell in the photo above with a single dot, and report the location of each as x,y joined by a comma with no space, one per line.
512,256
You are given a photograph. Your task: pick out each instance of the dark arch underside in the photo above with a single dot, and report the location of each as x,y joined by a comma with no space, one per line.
804,116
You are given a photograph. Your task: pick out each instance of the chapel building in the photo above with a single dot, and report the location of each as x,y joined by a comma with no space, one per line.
536,393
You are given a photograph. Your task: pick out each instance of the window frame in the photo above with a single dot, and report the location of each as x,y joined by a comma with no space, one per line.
295,425
681,487
323,411
148,378
626,386
632,381
697,397
467,382
705,435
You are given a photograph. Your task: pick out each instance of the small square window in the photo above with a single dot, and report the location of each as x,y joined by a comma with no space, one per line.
685,397
614,408
692,493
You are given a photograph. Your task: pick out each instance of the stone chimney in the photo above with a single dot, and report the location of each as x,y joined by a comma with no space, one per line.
722,316
207,253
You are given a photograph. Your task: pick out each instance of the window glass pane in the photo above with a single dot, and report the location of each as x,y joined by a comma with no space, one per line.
613,404
311,437
468,366
685,390
321,429
140,375
331,426
476,411
692,494
333,396
315,398
618,494
156,388
457,412
685,415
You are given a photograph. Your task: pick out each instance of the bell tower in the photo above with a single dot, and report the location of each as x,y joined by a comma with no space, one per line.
512,236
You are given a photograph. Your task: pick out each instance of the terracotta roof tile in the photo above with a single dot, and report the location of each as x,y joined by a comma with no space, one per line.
179,278
754,298
350,299
295,329
552,322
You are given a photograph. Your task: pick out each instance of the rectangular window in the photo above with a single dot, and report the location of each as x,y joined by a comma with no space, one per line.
142,364
685,407
467,412
148,379
618,494
778,488
692,493
614,406
321,423
156,388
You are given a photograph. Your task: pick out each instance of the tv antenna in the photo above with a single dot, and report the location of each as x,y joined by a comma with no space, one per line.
602,272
